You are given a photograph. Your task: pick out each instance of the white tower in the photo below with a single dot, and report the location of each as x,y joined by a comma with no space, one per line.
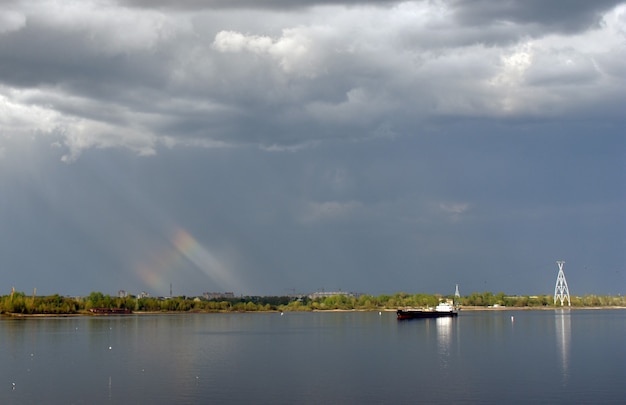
560,290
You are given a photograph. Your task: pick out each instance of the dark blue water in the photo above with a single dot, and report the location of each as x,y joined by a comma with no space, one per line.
576,356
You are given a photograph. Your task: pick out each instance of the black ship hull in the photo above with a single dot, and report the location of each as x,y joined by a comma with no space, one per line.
421,314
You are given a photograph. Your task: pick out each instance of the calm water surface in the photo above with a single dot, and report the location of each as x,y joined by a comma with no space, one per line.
576,356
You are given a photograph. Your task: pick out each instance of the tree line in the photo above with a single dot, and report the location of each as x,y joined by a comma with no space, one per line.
589,300
19,303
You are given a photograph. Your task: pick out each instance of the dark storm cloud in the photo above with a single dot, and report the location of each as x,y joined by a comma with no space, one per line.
195,5
40,56
561,15
495,23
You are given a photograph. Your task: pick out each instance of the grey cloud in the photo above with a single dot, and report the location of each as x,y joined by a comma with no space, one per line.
559,68
536,15
305,80
613,63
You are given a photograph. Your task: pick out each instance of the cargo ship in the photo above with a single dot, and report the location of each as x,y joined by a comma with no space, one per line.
110,311
444,309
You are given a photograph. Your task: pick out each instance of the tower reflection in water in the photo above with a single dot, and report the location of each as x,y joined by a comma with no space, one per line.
563,335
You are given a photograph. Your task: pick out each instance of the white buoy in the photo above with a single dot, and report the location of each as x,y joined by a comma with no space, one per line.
512,319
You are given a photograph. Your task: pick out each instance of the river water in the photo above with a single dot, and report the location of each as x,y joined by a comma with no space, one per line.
550,356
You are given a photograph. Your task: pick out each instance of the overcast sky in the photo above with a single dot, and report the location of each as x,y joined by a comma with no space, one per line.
267,147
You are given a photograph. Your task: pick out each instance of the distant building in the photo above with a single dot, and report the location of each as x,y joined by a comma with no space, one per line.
122,294
325,294
143,295
218,295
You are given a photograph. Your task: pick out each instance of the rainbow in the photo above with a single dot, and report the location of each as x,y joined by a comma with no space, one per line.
156,273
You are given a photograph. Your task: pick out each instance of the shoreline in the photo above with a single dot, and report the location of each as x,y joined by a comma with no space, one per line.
502,308
140,313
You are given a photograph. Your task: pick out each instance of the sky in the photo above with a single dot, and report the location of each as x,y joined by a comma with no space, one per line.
271,147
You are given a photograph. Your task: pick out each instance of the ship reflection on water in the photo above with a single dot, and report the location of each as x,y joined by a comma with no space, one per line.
444,337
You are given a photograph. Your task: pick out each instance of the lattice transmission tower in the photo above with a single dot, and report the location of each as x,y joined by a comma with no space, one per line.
560,290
